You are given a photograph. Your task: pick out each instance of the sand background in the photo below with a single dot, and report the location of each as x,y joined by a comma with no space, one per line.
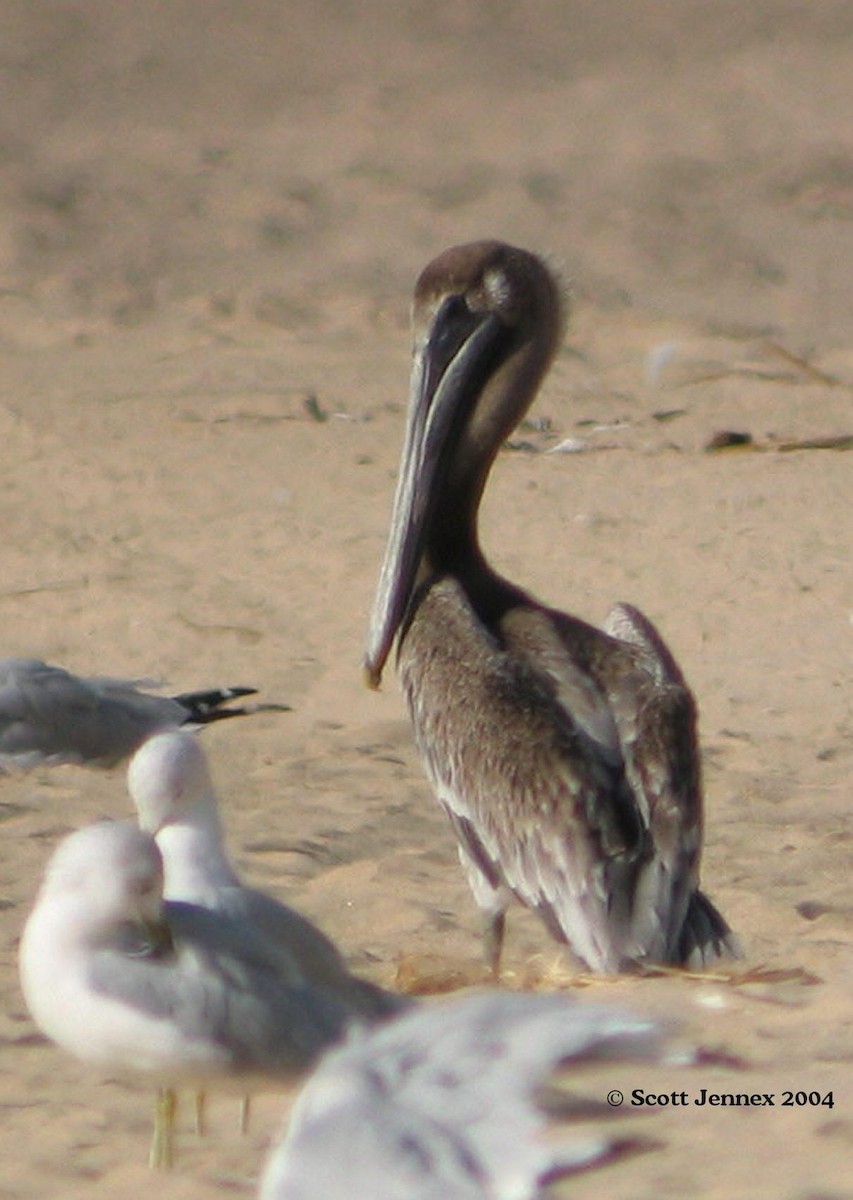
211,217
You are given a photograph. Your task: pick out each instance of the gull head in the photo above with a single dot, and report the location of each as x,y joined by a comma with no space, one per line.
168,778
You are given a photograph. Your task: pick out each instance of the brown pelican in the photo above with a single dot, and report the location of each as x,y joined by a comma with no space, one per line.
565,756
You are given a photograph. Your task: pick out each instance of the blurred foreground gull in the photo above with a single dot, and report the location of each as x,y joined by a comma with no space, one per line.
441,1104
169,993
49,716
175,800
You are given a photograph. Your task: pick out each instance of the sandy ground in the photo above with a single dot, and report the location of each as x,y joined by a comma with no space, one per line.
209,229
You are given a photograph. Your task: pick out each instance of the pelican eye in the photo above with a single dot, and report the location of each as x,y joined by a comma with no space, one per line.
497,291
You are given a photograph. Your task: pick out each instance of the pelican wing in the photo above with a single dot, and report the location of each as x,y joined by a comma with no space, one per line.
526,759
655,713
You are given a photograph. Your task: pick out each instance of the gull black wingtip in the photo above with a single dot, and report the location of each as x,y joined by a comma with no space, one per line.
203,708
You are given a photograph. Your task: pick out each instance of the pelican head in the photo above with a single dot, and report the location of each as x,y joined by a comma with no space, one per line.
487,320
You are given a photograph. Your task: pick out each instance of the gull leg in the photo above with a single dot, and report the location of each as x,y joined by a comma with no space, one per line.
161,1155
200,1104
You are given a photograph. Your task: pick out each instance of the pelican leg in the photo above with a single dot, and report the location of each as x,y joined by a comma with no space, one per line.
161,1156
492,901
494,928
490,892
